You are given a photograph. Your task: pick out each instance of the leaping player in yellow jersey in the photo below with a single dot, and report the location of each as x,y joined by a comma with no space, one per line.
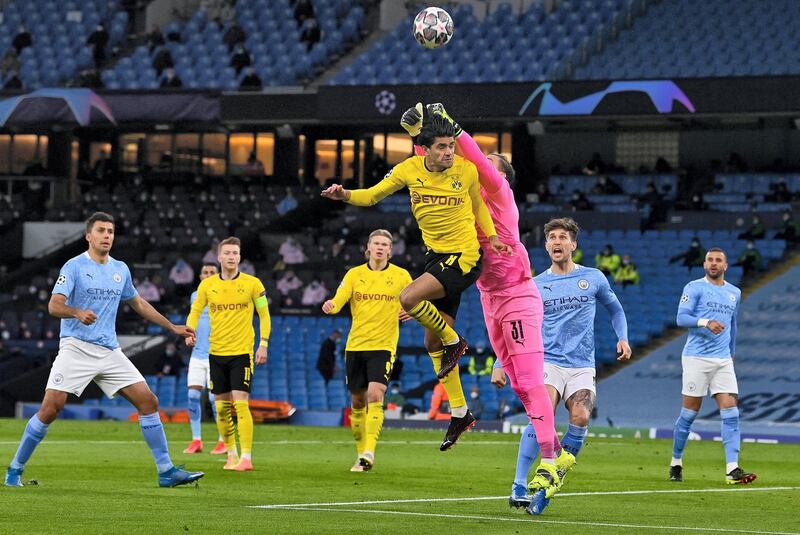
373,291
446,202
231,297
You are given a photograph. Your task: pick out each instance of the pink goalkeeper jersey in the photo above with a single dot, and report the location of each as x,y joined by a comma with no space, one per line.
498,271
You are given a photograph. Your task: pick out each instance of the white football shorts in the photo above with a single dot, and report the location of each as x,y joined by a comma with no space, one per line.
78,363
567,381
199,373
701,375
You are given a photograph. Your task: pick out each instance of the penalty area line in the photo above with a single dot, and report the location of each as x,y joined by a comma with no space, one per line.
539,520
488,498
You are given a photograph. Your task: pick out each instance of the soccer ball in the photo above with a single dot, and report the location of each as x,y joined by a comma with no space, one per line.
433,27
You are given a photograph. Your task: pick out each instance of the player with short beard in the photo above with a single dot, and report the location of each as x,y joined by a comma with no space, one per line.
570,293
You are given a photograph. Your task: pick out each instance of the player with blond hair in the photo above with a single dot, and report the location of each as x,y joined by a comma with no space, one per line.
373,291
231,298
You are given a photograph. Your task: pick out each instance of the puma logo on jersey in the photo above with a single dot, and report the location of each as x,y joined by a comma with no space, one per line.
421,182
548,288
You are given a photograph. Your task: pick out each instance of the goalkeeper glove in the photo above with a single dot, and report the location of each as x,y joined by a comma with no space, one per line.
411,120
437,109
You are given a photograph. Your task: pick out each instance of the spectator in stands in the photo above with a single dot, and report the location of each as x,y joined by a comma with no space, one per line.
394,399
338,250
750,260
476,405
171,79
22,40
543,194
12,81
607,261
170,362
627,273
691,257
482,362
735,163
102,170
162,60
756,231
287,204
440,404
240,58
155,39
254,166
326,361
90,78
250,81
577,256
149,291
790,230
288,282
211,255
606,186
303,10
98,40
314,294
246,266
651,206
311,33
10,62
697,202
291,252
780,193
662,165
580,202
233,36
182,275
595,166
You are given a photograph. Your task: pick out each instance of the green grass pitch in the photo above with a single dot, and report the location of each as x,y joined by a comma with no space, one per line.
98,477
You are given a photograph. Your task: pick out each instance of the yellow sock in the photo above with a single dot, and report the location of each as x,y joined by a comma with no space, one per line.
451,382
225,425
357,426
374,425
244,426
428,316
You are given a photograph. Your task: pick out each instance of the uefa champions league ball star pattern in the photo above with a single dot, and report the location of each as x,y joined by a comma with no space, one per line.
433,27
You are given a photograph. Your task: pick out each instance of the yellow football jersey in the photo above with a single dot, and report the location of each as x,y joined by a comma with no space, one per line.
374,298
446,205
231,304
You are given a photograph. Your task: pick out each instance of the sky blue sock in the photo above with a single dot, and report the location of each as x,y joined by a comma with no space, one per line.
528,451
34,433
213,405
681,432
573,439
153,432
731,437
195,412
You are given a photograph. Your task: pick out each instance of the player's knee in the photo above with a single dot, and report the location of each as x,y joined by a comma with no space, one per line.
408,300
48,412
148,404
579,417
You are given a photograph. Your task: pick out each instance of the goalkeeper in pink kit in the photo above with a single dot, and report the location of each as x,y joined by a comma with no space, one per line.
512,306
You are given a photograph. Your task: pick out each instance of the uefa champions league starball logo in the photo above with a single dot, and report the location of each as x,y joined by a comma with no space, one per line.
385,102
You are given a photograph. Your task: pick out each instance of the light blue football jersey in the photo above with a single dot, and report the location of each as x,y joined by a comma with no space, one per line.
570,302
202,343
99,288
704,300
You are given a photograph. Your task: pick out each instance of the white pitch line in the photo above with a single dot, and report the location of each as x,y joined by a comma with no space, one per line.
514,443
544,521
486,498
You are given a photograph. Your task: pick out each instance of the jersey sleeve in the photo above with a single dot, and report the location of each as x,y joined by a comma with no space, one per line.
609,300
479,209
128,290
259,295
686,308
393,181
65,282
490,178
343,293
197,306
